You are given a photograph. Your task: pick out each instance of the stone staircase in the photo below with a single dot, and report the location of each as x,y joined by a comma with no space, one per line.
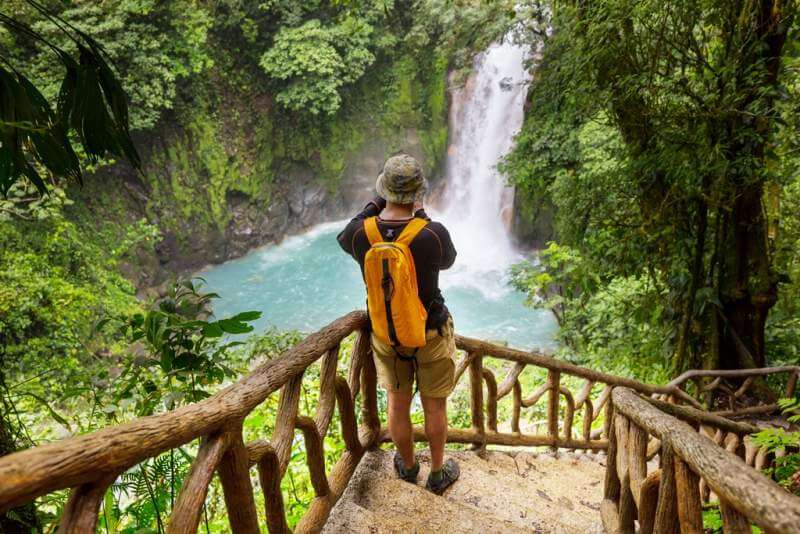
504,492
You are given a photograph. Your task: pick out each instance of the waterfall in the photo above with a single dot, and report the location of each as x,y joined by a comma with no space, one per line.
475,204
307,280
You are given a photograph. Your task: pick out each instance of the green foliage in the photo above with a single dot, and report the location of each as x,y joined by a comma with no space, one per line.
193,175
129,33
314,61
52,286
636,136
24,201
558,280
181,349
615,325
90,103
712,520
783,327
785,469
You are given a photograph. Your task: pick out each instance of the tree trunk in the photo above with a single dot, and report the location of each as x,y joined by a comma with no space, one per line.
697,273
748,285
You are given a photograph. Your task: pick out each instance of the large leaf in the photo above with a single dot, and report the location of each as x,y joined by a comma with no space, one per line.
231,326
246,316
91,102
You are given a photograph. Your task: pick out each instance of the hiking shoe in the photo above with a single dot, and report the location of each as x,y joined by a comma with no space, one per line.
409,475
450,473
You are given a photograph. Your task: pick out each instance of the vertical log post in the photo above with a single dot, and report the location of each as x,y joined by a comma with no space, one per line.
476,385
80,513
361,350
637,459
611,486
517,392
186,513
627,506
327,391
569,413
666,510
371,421
491,400
762,459
690,503
269,475
588,418
234,474
347,416
648,500
315,455
283,435
553,385
608,422
791,385
732,521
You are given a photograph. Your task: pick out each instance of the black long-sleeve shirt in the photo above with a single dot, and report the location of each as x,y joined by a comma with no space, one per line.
432,250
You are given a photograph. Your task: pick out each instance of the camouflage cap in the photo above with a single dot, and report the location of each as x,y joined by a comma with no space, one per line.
401,181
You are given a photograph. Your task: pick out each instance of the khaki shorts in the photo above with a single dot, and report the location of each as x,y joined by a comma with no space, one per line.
435,364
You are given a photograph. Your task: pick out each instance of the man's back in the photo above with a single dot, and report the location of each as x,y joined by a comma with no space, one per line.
432,250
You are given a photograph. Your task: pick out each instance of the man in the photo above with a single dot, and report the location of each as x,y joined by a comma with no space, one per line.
400,188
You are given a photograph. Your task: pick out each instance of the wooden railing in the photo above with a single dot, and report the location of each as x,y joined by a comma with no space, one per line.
89,464
690,463
588,402
725,392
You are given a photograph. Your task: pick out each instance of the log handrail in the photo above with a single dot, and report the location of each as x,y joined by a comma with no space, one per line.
88,464
745,495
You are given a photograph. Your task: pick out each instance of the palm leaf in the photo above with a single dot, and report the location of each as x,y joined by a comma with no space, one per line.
91,102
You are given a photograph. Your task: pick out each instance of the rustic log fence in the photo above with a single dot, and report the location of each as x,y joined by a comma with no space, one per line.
724,392
557,399
89,464
670,498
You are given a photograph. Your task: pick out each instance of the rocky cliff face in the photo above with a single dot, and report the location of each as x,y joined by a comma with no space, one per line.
533,222
227,171
210,203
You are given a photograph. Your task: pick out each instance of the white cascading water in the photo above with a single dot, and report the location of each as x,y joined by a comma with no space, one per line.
476,203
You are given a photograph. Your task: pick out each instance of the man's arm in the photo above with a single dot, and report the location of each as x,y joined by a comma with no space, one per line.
448,249
345,237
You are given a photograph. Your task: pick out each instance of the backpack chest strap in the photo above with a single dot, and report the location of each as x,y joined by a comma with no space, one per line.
412,229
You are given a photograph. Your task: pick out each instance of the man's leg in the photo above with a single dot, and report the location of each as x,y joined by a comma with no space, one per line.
435,428
400,425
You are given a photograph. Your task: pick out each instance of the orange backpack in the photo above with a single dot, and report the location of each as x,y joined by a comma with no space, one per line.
397,315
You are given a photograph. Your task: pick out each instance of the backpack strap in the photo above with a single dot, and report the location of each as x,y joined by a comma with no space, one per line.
411,230
371,228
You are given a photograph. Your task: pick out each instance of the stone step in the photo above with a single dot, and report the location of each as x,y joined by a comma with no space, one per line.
497,492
